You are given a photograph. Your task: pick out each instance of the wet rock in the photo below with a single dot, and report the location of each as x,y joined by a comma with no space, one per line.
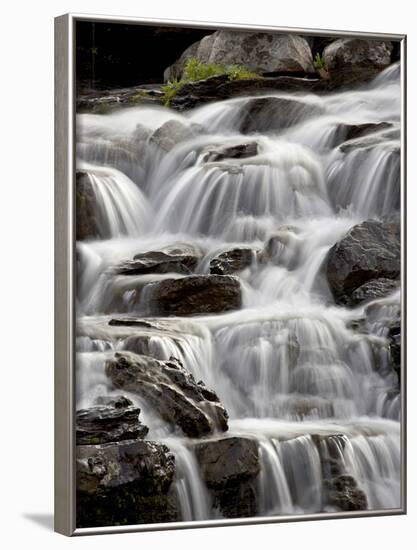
87,218
340,489
171,390
394,339
376,288
344,493
105,101
111,420
177,259
232,261
229,467
239,151
124,483
347,132
282,248
355,59
370,250
195,295
263,53
195,94
370,140
265,114
172,132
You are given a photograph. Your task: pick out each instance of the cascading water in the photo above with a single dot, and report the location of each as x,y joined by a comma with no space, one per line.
287,365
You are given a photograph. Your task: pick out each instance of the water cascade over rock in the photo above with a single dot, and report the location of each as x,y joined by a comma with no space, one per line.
238,286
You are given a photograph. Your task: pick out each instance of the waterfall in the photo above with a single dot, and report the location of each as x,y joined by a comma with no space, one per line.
289,365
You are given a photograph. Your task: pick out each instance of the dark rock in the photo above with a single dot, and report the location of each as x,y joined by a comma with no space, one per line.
376,288
239,151
124,483
172,132
87,213
229,467
233,260
160,261
171,390
227,461
259,52
195,94
340,489
370,140
265,114
347,132
282,248
195,295
104,101
370,250
343,492
394,339
111,421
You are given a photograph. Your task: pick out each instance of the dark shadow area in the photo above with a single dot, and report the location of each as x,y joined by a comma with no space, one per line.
43,520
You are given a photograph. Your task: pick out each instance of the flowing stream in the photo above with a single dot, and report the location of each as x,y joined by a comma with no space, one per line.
287,366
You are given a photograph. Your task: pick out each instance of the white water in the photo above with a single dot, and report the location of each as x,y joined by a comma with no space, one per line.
286,366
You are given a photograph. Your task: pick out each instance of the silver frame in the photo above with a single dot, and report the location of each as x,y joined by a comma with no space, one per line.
65,481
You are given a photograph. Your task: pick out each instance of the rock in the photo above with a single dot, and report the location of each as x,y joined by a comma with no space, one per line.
357,52
171,390
265,114
263,53
282,247
340,489
216,88
229,468
87,219
124,483
369,140
348,132
239,151
394,339
376,288
195,295
370,250
233,260
344,493
170,260
110,421
172,132
101,102
355,60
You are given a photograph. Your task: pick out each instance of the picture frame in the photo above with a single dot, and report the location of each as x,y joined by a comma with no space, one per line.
66,276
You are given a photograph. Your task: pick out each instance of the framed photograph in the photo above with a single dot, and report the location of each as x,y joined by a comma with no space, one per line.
230,282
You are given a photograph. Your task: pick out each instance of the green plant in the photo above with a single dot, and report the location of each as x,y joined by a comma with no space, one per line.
319,63
197,70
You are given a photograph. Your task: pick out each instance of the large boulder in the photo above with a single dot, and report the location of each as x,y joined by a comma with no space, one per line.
263,53
124,483
174,259
351,60
195,295
232,261
370,251
110,421
171,391
229,467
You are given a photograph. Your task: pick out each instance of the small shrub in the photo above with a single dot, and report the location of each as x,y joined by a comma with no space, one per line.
196,70
319,63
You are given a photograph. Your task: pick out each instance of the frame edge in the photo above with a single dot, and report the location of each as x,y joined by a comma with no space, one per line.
64,514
